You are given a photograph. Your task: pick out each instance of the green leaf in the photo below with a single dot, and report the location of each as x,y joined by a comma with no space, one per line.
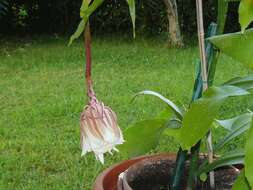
227,124
172,126
249,157
241,82
142,137
84,7
238,126
131,4
78,32
222,15
175,133
236,122
173,106
236,45
228,159
245,13
241,182
165,114
199,118
198,121
224,91
85,11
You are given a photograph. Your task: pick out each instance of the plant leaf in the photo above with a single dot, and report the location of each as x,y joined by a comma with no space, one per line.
236,45
236,122
249,157
78,32
199,118
241,182
91,9
142,137
222,15
131,4
230,158
245,13
172,132
165,114
172,126
224,91
227,124
85,11
173,106
84,7
239,125
241,82
197,121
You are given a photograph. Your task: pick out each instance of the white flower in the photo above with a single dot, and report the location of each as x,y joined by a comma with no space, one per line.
100,132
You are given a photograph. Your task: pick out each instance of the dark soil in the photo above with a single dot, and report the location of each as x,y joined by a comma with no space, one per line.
155,175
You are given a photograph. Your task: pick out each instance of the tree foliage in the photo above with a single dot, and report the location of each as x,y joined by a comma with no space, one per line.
61,16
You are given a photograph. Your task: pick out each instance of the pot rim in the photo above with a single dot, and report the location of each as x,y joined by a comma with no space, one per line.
114,170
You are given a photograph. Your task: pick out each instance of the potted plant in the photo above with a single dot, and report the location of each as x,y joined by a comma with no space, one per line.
188,169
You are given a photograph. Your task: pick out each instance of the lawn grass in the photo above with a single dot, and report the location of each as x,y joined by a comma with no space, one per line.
42,94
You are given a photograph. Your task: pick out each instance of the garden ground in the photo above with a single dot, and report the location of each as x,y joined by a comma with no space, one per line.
42,94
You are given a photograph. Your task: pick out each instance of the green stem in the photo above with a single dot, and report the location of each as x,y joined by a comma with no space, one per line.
179,170
197,92
192,180
212,60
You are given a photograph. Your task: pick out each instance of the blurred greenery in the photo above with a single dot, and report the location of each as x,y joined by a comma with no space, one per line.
62,16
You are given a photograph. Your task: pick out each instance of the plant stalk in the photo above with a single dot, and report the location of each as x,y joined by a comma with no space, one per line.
197,93
179,170
201,37
87,44
192,180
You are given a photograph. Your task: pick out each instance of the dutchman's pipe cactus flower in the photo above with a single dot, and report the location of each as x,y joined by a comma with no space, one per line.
99,129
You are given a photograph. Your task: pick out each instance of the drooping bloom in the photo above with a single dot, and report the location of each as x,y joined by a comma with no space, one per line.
99,129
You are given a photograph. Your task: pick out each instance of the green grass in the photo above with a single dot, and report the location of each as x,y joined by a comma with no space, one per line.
42,93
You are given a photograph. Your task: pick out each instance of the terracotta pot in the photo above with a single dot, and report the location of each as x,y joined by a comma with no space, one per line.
153,172
108,179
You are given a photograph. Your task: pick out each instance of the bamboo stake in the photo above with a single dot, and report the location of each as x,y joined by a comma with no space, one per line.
201,36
